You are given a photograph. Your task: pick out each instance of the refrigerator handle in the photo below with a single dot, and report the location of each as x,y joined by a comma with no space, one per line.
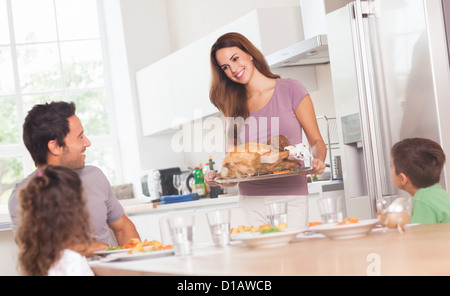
366,106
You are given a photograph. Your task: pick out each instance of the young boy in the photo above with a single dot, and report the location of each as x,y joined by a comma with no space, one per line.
416,166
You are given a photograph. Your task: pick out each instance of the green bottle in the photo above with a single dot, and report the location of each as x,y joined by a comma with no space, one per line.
199,184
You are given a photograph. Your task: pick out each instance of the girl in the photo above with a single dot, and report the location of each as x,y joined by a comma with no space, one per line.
243,86
54,230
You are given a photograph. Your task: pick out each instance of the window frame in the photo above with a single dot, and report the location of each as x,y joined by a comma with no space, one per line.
111,140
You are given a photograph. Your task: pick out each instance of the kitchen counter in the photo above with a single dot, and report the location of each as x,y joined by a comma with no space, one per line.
421,250
139,206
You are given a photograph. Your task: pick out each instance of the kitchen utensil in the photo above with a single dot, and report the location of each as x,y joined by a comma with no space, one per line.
299,171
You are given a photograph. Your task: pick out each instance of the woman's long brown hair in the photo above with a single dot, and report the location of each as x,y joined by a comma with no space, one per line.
53,218
228,96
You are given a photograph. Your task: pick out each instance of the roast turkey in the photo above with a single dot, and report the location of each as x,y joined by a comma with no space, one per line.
251,159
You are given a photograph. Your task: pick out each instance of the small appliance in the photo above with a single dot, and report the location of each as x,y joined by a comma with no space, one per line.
159,182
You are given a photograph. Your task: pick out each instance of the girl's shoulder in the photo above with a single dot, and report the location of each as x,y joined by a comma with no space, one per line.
71,263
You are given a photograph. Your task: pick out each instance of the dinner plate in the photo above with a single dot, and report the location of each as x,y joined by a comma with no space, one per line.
265,240
295,172
335,231
140,255
109,252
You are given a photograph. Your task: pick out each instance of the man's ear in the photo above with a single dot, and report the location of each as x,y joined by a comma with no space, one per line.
54,148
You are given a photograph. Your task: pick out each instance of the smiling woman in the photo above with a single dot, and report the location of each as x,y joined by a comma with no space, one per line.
48,54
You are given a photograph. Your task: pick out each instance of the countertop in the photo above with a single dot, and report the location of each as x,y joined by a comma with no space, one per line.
420,250
137,206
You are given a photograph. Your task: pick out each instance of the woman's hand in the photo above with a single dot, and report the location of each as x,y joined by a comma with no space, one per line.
318,166
209,180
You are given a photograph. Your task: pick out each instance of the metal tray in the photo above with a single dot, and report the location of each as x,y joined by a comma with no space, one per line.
299,171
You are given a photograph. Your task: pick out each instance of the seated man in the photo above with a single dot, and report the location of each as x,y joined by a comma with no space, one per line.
54,135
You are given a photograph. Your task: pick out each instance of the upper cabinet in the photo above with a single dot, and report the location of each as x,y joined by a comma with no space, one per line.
175,90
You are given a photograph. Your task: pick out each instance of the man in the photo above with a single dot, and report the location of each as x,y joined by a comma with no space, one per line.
54,135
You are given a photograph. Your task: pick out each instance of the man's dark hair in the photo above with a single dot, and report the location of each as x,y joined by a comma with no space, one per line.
46,122
421,160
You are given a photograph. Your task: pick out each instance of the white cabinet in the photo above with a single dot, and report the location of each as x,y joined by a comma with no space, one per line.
154,88
175,90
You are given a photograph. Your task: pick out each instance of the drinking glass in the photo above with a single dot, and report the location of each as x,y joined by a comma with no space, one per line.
219,224
331,209
276,213
177,183
182,232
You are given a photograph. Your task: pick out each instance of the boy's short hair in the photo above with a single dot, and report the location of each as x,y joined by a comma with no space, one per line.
421,160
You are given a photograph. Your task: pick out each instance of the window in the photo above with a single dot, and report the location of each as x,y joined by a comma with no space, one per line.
51,50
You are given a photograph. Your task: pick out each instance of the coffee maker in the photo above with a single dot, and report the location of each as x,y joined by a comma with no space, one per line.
159,182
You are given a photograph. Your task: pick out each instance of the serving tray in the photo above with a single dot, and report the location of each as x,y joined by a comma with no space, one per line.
299,171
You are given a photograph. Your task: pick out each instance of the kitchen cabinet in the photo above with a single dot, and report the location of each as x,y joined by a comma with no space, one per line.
175,90
154,83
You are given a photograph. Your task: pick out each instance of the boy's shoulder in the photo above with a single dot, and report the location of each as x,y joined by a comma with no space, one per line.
434,194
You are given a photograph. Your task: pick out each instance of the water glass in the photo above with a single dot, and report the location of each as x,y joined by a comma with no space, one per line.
181,230
276,213
331,209
219,224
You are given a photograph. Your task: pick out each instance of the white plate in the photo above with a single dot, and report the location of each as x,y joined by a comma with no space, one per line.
300,171
353,230
109,252
263,240
140,255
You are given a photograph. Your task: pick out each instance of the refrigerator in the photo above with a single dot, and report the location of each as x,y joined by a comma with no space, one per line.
389,62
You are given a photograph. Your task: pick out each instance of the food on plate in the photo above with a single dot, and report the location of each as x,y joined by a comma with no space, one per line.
264,228
350,220
251,159
282,226
314,224
270,230
136,245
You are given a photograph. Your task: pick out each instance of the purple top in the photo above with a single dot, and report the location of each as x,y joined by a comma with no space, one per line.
276,118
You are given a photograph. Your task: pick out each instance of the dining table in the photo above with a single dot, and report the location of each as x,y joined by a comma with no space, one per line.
418,250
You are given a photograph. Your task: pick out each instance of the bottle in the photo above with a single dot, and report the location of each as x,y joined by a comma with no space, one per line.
211,164
205,171
214,190
199,184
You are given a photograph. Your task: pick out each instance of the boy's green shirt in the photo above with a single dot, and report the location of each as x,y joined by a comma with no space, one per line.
431,205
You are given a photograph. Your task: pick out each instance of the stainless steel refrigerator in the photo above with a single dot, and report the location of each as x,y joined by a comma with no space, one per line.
389,62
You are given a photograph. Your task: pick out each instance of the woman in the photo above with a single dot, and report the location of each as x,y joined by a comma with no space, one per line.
243,86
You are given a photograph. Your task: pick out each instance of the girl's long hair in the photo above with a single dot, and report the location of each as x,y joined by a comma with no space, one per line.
228,96
53,218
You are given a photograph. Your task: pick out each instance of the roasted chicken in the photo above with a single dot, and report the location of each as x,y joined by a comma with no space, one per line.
251,159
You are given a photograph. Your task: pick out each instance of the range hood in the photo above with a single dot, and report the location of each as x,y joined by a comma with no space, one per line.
311,51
